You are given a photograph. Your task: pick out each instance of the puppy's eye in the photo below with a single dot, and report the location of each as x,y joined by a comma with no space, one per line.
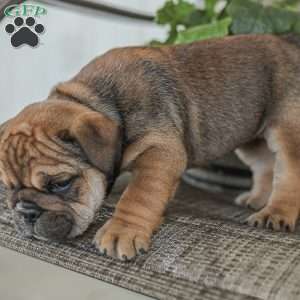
60,187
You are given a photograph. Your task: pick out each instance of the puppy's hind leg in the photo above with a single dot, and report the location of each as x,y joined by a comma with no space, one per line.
282,210
261,162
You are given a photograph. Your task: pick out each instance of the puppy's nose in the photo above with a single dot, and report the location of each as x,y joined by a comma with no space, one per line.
29,210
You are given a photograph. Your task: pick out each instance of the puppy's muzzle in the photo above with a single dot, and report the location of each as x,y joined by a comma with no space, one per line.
29,210
33,220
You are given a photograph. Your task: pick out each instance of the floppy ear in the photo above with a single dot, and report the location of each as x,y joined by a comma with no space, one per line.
2,128
100,139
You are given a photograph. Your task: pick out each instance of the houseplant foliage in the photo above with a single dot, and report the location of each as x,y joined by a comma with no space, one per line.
218,18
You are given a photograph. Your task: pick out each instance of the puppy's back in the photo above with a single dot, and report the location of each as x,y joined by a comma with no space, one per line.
292,39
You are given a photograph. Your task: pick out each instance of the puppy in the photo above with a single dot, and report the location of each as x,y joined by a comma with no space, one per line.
155,112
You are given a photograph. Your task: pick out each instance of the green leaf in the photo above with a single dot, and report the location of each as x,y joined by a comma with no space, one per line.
296,27
251,17
196,17
174,12
248,17
202,32
210,7
172,35
287,3
282,20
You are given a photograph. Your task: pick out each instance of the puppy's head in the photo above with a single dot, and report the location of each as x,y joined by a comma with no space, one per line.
57,158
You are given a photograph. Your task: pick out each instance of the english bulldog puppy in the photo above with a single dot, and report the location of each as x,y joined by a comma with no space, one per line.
156,112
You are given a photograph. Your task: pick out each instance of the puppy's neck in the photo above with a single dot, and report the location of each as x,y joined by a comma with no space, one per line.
80,93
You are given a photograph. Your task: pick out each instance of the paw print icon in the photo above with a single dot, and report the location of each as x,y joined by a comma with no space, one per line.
24,32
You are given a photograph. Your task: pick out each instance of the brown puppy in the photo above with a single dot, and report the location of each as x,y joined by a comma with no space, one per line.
156,111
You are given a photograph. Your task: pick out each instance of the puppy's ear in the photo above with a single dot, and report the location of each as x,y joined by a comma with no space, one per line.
100,139
2,128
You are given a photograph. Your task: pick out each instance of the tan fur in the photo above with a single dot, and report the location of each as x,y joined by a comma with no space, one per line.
282,210
157,162
261,162
32,152
155,112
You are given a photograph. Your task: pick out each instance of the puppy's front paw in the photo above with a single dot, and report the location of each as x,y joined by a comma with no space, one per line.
274,218
122,240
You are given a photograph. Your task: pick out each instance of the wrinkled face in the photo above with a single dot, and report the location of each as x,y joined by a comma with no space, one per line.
55,186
